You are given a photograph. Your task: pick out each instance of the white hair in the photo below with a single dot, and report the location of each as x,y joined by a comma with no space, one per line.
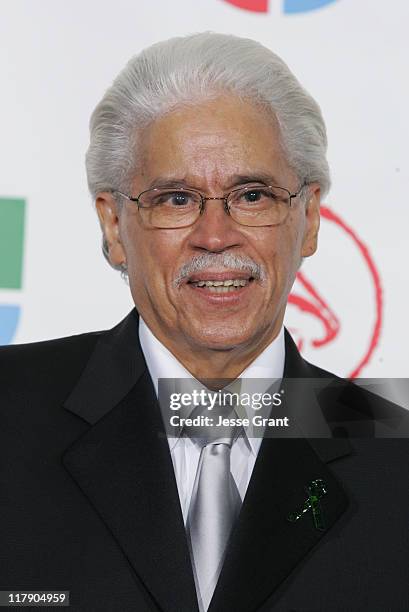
185,70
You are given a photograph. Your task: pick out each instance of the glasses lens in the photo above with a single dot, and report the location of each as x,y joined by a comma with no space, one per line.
258,206
169,208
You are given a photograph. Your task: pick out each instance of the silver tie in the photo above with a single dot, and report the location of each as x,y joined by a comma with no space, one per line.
214,506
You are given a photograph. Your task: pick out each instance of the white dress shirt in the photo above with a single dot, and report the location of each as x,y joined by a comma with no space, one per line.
185,454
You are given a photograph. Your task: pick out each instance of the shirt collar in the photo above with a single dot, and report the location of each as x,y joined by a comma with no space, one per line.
161,363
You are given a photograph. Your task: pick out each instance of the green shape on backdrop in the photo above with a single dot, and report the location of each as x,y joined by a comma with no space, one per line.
11,242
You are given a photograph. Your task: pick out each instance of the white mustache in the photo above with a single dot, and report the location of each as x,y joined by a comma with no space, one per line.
242,263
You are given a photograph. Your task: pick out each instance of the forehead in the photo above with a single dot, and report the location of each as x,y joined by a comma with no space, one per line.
212,141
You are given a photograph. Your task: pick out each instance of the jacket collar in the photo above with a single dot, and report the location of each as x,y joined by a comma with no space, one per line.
114,367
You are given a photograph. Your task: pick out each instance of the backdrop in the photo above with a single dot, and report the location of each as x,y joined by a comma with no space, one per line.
348,307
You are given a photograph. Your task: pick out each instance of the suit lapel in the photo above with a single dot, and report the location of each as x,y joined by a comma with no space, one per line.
123,466
265,547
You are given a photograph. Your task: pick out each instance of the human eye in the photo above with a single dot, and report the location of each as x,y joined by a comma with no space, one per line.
173,199
254,196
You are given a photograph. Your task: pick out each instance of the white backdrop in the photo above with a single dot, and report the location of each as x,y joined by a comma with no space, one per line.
57,58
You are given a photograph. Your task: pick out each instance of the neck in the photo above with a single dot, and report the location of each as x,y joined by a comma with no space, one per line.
216,365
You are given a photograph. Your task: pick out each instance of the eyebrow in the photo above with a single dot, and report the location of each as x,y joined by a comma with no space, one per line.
235,181
167,182
257,177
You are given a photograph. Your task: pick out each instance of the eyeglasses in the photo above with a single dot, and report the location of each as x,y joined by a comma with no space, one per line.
253,206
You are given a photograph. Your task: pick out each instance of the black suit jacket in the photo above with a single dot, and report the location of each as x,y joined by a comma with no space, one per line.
88,498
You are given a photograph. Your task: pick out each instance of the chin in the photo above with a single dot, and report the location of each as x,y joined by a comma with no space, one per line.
221,338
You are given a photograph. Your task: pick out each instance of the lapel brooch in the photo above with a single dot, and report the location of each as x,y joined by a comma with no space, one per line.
315,490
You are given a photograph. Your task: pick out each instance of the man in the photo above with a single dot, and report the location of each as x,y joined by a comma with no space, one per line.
207,166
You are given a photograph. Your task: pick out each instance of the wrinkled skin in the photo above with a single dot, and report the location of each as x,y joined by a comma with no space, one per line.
211,146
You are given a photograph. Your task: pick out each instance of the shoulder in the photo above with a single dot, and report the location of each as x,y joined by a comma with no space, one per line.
315,371
360,408
352,408
51,363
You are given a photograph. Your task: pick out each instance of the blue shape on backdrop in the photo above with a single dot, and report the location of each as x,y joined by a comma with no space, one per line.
9,316
303,6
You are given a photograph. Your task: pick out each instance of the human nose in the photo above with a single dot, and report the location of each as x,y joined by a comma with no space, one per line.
215,230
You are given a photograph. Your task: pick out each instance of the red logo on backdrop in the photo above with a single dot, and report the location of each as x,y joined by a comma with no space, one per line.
257,6
289,7
314,303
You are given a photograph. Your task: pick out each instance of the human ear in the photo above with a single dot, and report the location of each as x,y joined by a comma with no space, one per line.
312,220
108,214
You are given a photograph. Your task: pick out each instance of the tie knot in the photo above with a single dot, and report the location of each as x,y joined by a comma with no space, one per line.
215,426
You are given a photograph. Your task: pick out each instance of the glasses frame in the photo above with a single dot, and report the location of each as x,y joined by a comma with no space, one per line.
204,199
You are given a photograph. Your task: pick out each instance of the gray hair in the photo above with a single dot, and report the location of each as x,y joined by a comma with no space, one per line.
185,70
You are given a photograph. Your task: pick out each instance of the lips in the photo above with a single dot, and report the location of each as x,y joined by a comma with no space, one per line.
221,277
220,284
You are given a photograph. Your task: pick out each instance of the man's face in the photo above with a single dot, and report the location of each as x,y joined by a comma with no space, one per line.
213,147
